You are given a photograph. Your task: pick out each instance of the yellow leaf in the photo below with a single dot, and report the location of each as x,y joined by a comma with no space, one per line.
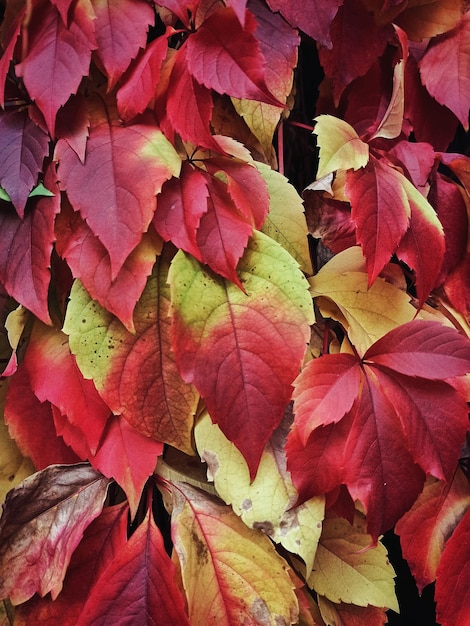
340,146
367,313
286,222
266,502
347,569
231,573
14,467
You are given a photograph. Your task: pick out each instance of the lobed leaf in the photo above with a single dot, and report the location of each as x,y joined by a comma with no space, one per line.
231,573
232,346
42,523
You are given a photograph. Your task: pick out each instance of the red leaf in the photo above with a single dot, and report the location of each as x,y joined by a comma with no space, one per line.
381,210
105,537
453,577
121,29
31,425
125,167
189,105
425,527
422,249
8,45
422,348
26,251
445,69
223,233
72,124
23,147
416,159
42,523
138,87
299,15
357,43
57,57
183,9
325,391
431,121
55,377
180,206
393,430
225,57
89,261
138,586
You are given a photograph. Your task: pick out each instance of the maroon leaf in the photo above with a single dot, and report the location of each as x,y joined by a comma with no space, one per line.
453,575
300,15
138,586
42,523
26,250
121,29
23,147
214,58
57,57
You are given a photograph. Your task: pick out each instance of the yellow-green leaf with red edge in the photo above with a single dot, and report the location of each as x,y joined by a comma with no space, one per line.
424,529
231,573
340,146
349,568
124,169
42,523
366,313
134,373
285,222
452,593
242,350
267,503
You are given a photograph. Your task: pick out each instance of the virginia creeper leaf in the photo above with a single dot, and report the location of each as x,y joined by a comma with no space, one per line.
124,169
343,614
268,502
137,586
23,147
57,57
9,39
139,85
42,523
26,251
121,29
357,42
424,529
381,211
285,222
452,591
89,261
280,53
231,573
429,18
189,105
408,349
366,312
299,15
55,377
135,374
348,569
214,59
230,346
340,146
31,424
72,124
102,540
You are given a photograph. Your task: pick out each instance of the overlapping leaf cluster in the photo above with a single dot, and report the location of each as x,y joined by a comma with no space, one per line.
158,305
